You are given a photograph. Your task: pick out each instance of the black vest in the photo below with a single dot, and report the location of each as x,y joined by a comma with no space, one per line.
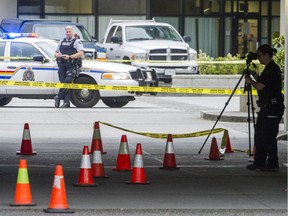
67,47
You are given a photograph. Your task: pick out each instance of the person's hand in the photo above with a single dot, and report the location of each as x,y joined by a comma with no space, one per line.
66,57
58,54
248,80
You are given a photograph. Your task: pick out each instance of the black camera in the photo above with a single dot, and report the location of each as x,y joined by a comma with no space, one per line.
250,57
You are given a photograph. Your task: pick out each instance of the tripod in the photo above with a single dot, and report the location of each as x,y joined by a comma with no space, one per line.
250,105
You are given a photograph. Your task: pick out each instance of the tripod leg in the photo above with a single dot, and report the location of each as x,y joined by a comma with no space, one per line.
248,86
218,118
253,119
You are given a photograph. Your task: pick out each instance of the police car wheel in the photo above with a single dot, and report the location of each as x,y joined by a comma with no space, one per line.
84,98
114,103
4,101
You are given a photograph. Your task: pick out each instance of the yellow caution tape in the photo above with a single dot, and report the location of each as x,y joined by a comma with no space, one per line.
174,62
178,90
164,136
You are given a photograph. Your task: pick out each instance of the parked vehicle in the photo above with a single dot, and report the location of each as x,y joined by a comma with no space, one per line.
52,29
27,58
150,44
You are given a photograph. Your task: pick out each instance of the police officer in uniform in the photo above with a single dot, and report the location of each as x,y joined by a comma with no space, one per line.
68,54
271,103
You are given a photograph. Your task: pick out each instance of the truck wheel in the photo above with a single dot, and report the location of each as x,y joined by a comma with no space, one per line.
4,101
114,103
84,98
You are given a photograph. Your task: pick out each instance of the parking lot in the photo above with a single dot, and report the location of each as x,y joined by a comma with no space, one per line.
199,187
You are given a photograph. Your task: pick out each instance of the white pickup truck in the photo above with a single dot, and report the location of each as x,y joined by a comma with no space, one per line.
151,45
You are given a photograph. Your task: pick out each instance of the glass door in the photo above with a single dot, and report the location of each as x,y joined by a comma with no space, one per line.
247,40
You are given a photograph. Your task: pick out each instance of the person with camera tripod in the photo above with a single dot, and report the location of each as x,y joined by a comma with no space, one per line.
271,103
68,54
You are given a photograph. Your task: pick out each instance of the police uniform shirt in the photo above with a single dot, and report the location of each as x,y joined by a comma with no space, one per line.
78,45
271,78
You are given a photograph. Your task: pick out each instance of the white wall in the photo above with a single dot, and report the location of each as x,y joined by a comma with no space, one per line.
8,9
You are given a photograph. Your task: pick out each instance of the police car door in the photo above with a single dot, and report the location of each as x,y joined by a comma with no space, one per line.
3,73
24,68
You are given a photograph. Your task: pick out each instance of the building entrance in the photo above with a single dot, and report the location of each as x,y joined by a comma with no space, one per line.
246,36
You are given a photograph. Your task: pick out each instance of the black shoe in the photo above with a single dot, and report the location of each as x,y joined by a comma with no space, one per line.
57,101
254,167
65,105
270,169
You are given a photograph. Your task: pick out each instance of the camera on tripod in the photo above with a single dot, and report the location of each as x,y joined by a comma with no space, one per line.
250,57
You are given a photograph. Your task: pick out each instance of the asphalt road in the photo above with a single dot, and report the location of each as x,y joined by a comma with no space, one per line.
199,187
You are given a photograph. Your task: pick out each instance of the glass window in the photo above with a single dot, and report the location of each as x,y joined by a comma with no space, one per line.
192,7
23,51
110,34
228,5
139,33
275,27
118,7
204,34
174,21
87,21
242,6
275,8
57,31
48,47
29,6
118,33
264,8
211,6
264,30
68,6
165,7
253,7
2,49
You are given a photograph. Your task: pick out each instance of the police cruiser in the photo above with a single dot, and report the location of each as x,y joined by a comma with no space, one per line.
26,57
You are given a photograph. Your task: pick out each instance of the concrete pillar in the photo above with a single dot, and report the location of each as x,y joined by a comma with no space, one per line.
9,10
286,65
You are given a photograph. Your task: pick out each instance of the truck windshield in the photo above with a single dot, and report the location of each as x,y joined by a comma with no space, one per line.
57,32
138,33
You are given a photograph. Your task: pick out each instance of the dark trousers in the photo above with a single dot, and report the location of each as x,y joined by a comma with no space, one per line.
66,74
266,130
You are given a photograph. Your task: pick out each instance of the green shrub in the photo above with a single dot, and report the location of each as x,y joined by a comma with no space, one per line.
209,65
279,44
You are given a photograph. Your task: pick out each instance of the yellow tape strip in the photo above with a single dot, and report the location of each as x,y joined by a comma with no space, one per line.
125,88
164,136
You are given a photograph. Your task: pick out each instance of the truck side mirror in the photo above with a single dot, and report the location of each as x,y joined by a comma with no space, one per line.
116,40
187,39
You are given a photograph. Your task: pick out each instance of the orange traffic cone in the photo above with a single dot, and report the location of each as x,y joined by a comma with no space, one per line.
123,159
226,142
86,176
169,158
26,146
97,165
214,153
58,201
96,139
23,195
138,173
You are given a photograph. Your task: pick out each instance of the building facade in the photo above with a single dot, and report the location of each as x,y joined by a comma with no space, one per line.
217,27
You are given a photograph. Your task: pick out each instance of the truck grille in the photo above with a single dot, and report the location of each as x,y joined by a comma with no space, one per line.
168,55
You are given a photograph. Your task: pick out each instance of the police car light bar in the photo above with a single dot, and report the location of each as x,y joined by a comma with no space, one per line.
19,35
